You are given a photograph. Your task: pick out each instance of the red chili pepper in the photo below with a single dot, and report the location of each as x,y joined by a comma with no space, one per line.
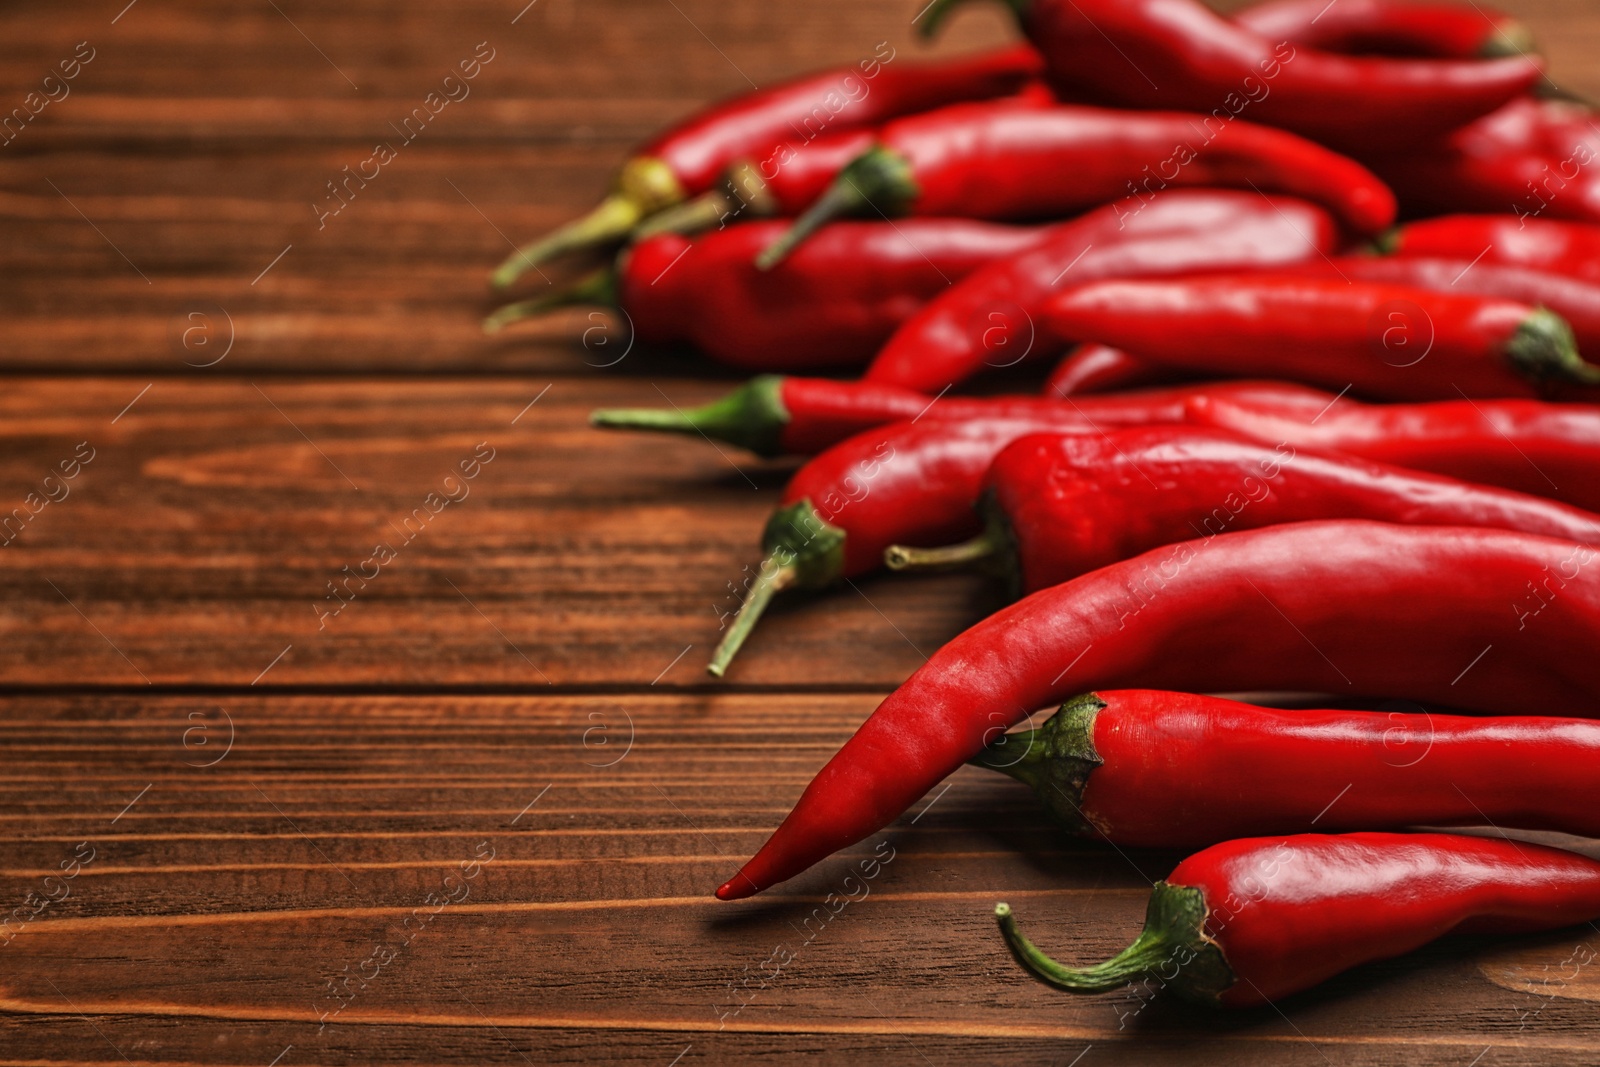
1531,158
690,156
776,415
1388,27
1346,606
1559,247
1096,368
1153,769
1179,54
1576,300
978,161
833,305
791,180
1247,922
1059,505
1386,341
1546,449
993,318
911,482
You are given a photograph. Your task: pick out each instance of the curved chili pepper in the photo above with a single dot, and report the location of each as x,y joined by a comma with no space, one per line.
1576,300
1388,341
1153,769
1059,505
777,415
1346,606
791,179
1247,922
690,156
1532,158
980,320
1096,368
1009,163
1559,247
1388,27
1180,54
1536,447
833,305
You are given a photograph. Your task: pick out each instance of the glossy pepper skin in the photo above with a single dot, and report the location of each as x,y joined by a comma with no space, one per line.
1180,54
1096,368
1549,245
1060,505
913,482
790,180
1576,300
1349,607
776,415
1533,158
1155,769
991,162
908,482
1536,447
833,305
1546,449
994,317
1247,922
687,158
1383,340
1390,27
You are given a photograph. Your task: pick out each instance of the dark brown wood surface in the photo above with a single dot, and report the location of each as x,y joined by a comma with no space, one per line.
493,793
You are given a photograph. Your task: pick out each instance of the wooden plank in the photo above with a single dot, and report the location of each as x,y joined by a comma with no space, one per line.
241,851
199,544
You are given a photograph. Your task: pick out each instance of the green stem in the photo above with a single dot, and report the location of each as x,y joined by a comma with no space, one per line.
772,580
752,416
931,19
1055,761
1173,948
600,287
1543,348
879,178
692,216
1003,755
1150,950
1510,37
943,558
742,196
606,224
803,550
643,187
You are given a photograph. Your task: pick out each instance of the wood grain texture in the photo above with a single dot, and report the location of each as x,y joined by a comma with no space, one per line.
274,801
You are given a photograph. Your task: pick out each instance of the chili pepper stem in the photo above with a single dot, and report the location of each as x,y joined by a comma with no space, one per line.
742,195
771,581
600,287
944,558
752,416
1172,945
1545,349
643,187
934,16
878,178
692,216
1055,760
1148,951
803,550
994,551
1511,37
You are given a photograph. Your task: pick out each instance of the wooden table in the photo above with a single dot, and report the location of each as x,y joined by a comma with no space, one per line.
488,798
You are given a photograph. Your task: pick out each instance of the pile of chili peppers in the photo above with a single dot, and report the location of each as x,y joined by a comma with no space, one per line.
1319,281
